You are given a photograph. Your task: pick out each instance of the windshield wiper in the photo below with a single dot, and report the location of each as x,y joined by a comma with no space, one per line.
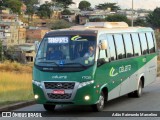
75,64
50,62
41,58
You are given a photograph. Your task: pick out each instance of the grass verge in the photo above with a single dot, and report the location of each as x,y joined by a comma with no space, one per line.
15,83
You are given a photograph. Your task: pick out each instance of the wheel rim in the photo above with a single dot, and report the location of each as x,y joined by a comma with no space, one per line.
101,102
140,89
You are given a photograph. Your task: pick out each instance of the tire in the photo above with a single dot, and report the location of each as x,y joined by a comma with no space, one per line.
138,93
130,95
49,107
100,105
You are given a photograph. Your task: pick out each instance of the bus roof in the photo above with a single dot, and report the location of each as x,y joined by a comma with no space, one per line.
89,29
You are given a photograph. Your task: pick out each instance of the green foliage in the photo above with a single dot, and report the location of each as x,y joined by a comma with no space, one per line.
157,34
1,5
84,5
105,6
97,20
66,12
65,3
31,2
60,24
140,22
45,11
31,7
154,18
118,18
14,5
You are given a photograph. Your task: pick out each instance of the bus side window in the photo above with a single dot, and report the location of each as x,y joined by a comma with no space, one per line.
143,43
111,47
102,57
150,42
128,45
102,54
119,46
154,41
136,44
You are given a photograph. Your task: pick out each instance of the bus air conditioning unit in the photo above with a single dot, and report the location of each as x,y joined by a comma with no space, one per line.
106,25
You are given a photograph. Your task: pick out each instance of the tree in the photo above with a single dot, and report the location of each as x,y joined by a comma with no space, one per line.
31,7
97,20
84,5
154,18
105,6
14,5
140,22
60,24
66,12
117,18
45,10
55,3
65,3
1,5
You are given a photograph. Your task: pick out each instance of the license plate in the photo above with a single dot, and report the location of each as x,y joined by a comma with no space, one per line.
60,92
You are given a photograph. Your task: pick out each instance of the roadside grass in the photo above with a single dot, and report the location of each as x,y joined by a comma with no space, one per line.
15,87
15,83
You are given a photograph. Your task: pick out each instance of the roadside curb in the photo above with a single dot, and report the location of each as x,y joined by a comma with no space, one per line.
17,105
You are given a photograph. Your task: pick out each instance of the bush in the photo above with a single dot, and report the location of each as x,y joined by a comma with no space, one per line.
60,24
9,66
66,12
97,20
157,34
118,18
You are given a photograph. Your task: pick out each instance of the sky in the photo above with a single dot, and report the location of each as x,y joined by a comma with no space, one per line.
143,4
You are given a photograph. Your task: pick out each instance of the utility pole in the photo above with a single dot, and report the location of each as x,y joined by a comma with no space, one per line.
132,15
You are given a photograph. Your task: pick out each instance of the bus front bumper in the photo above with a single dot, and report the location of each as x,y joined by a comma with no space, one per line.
86,95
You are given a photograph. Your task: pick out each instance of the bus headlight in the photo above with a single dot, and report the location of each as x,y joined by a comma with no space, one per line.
36,96
85,83
37,83
87,97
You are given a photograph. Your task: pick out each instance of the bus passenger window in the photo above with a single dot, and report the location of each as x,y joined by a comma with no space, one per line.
111,47
143,43
128,45
119,46
102,57
150,42
102,54
136,44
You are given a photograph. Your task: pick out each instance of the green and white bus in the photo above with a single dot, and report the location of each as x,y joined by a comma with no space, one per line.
123,61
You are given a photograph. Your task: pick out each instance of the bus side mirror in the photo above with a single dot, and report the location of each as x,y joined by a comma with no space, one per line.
36,45
103,44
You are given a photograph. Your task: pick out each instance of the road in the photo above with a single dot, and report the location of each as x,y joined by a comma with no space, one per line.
150,101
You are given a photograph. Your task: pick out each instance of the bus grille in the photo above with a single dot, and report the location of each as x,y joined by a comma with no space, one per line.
59,85
57,96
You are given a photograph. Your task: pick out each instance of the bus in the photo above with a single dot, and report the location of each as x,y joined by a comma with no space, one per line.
94,63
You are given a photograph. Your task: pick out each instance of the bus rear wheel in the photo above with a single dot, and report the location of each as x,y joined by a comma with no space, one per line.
138,92
49,107
100,105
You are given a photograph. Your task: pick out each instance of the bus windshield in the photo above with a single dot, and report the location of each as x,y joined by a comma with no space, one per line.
66,51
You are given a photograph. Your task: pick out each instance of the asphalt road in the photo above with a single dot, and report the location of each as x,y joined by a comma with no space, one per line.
150,101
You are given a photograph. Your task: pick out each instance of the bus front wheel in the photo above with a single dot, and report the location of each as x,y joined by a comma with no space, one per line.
100,105
49,107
